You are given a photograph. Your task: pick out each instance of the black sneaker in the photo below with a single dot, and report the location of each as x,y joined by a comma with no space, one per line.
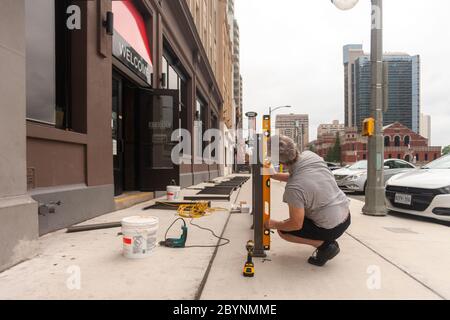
324,253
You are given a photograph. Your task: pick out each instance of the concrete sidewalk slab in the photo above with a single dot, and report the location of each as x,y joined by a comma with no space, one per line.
419,248
287,275
105,273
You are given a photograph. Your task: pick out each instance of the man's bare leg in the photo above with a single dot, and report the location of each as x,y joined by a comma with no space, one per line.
290,238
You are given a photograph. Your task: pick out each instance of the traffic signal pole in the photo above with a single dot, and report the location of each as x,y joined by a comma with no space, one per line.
375,200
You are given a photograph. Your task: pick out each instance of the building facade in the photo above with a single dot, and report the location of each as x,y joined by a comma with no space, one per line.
326,137
351,53
89,108
296,127
400,142
331,128
425,127
237,86
212,20
403,88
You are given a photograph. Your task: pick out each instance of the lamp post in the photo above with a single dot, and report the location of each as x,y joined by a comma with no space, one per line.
375,200
275,109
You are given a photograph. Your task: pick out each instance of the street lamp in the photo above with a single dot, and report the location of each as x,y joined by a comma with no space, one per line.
345,4
277,108
375,201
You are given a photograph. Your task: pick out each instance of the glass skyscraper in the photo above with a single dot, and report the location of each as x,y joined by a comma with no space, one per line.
404,90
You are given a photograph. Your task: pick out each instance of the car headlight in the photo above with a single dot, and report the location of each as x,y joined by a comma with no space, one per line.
355,176
445,190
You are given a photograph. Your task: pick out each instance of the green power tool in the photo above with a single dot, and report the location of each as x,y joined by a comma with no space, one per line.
174,242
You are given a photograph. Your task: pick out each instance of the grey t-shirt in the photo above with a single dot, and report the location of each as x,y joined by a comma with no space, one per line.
311,186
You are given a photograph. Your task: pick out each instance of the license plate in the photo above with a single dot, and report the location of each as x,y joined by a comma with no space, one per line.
403,198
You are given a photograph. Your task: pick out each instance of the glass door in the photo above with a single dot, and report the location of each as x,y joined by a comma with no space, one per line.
159,118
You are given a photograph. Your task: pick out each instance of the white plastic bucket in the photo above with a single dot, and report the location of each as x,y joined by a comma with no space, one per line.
173,193
139,236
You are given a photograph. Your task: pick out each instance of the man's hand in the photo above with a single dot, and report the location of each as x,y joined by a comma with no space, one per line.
269,169
270,224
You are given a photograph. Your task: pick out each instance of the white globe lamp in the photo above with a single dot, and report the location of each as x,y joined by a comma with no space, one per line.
345,4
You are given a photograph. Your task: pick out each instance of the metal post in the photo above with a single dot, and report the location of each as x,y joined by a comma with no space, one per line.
257,205
375,201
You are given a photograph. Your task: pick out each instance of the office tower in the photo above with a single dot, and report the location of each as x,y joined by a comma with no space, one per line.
403,88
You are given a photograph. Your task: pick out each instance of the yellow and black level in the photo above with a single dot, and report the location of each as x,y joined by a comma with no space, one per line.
261,191
266,182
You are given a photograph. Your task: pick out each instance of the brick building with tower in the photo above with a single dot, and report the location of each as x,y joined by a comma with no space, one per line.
400,142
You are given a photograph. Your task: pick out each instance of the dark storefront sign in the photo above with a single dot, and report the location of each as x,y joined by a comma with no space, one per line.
123,51
130,40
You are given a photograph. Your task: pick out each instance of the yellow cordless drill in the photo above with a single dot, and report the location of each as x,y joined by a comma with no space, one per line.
249,268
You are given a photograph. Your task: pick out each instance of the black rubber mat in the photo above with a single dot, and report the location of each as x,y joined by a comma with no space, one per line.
240,178
217,190
228,182
208,197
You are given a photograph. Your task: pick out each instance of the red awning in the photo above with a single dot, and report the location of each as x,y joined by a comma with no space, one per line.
129,23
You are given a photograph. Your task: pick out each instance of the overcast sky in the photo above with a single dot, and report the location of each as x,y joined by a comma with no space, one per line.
291,54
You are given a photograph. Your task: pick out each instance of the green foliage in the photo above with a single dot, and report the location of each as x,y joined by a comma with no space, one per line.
446,150
334,155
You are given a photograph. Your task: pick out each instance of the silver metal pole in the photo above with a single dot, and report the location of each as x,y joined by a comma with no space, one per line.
375,201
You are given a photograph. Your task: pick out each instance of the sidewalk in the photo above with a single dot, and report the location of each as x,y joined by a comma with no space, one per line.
381,258
403,261
105,273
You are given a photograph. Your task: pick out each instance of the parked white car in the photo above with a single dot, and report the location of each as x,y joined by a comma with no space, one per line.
354,178
423,192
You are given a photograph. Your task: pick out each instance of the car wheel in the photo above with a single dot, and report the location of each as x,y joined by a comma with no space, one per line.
365,188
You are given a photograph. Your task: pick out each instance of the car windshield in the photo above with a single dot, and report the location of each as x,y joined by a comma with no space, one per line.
441,163
359,165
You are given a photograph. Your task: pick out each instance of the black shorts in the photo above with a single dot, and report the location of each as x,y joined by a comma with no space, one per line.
312,232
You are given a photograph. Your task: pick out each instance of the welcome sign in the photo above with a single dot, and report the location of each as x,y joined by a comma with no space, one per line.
130,41
123,51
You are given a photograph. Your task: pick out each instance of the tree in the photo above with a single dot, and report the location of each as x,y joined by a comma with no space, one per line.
446,150
312,148
334,154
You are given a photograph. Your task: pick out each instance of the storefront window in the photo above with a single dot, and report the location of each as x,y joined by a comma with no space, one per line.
173,79
197,128
200,123
183,104
48,62
40,60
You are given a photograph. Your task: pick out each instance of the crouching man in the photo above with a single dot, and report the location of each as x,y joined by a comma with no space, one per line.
318,210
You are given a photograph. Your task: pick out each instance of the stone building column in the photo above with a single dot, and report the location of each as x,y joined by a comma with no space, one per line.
18,212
